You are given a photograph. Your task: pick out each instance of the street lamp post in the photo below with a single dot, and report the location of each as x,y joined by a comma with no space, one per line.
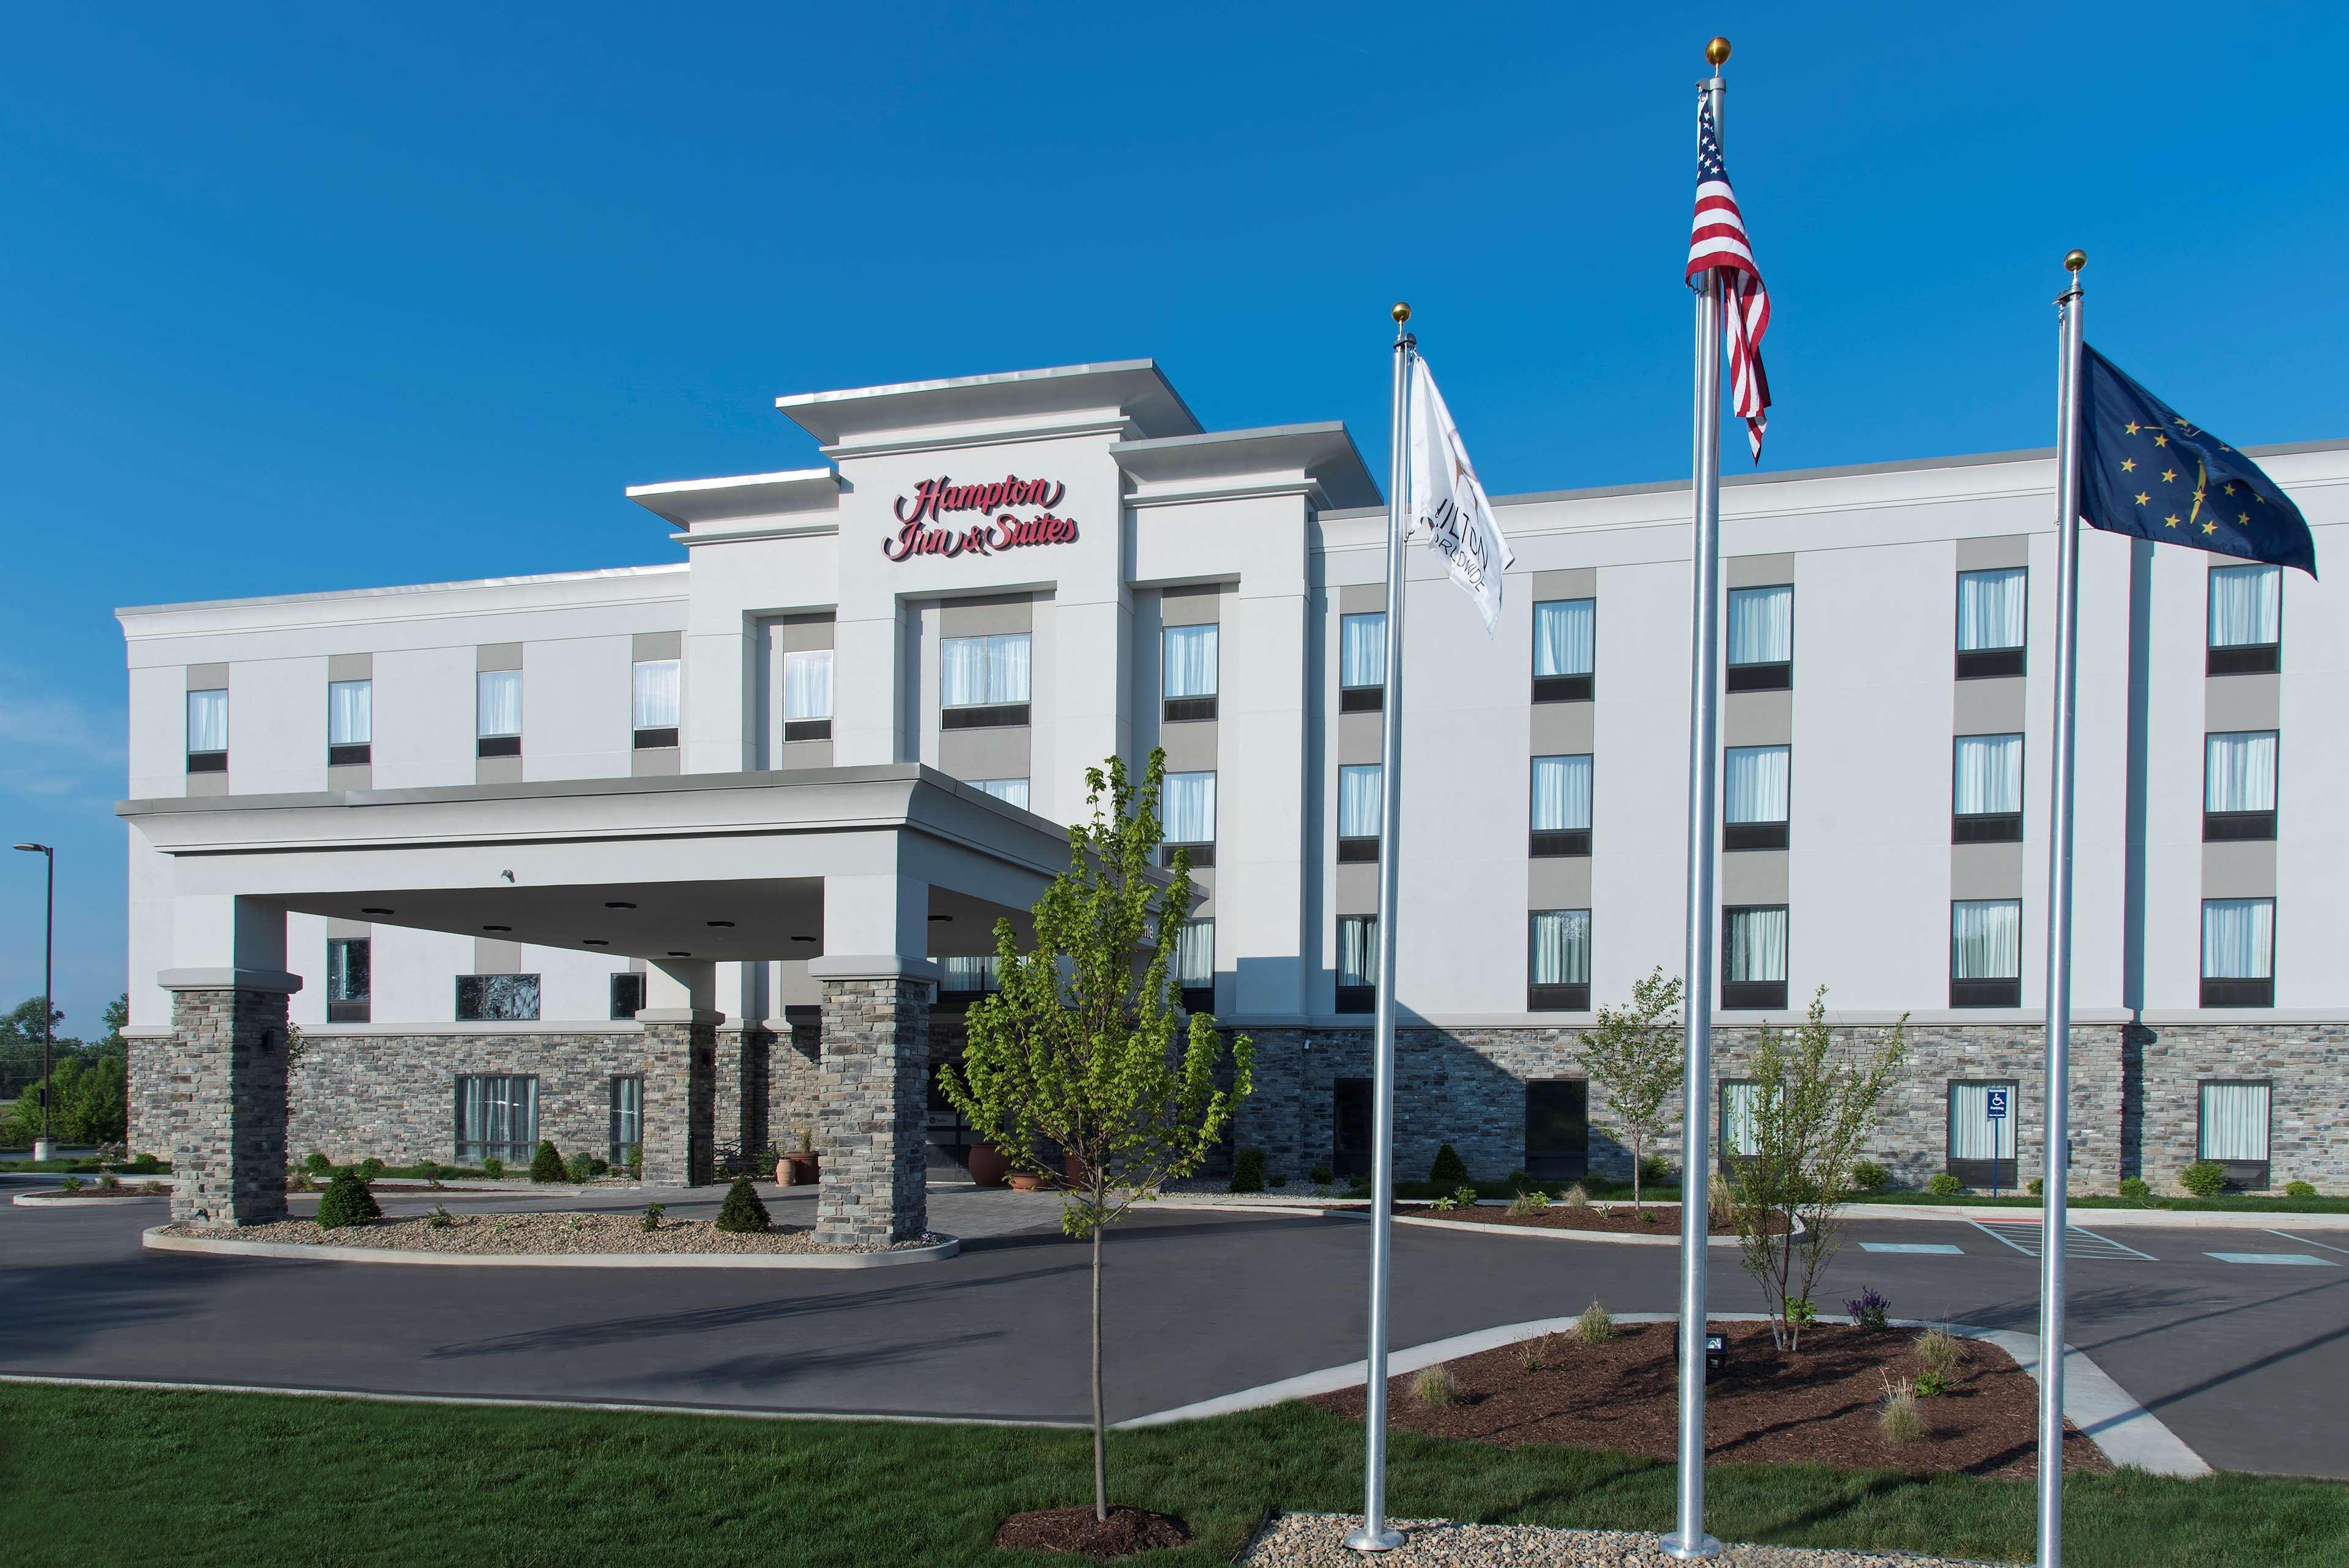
42,1147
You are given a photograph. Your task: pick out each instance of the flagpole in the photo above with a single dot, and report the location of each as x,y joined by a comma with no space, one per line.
1689,1540
1373,1533
2054,1220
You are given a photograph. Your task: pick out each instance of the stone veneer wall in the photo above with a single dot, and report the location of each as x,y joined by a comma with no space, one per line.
2308,1064
224,1106
794,1096
681,1095
745,1054
874,1092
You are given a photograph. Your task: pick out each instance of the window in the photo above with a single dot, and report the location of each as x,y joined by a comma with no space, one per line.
628,1118
2239,953
1753,797
497,713
1565,645
497,998
350,723
1741,1127
2238,786
1557,1128
1195,964
1991,623
1358,963
1762,638
2246,620
807,695
1986,952
963,980
497,1119
1190,802
1361,804
627,995
659,685
1561,806
983,681
1754,941
208,731
1012,792
1350,1122
2234,1129
1362,662
1190,672
1986,791
1980,1150
348,979
1558,977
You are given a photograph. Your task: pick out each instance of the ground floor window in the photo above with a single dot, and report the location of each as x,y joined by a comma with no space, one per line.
1194,966
497,1119
627,1116
1557,1128
2234,1129
1741,1135
348,979
1349,1123
497,998
1981,1145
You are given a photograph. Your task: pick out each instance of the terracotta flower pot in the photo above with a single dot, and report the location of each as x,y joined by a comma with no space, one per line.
988,1165
799,1169
1026,1181
1073,1172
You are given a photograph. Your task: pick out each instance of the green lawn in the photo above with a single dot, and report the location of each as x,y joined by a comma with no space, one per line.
2227,1202
92,1477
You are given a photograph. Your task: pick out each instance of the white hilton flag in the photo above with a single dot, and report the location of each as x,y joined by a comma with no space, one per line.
1448,506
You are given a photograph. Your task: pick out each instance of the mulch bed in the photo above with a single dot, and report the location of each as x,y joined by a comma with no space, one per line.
537,1234
1665,1219
1817,1406
1126,1531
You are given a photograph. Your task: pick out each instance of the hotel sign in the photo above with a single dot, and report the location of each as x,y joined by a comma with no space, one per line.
924,527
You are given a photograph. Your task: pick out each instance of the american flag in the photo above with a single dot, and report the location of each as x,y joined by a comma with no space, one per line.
1717,244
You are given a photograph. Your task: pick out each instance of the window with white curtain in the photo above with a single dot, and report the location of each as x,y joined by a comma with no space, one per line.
1195,955
982,972
807,684
1362,650
1757,944
2235,1121
1986,939
658,684
2238,938
1561,794
1561,947
2239,771
1565,637
1358,949
1991,610
1761,625
1741,1130
2246,605
1754,783
1987,780
983,672
1013,791
1188,806
350,713
497,1119
208,722
1359,801
1973,1134
498,703
1191,661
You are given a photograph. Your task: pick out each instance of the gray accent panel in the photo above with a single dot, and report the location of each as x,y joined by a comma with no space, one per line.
492,956
207,783
1578,583
207,678
660,762
801,634
1758,718
1563,728
339,927
1191,606
1558,883
645,645
497,656
1360,598
1190,747
1358,889
1987,708
1362,738
350,666
2242,701
804,753
497,770
1995,551
977,617
1986,871
1203,885
345,779
1754,876
1760,571
984,753
2240,870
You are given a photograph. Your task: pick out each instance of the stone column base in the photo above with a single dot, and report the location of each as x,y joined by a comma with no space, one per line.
226,1120
874,1104
680,1096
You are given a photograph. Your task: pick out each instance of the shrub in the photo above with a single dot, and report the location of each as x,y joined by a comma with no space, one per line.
1248,1170
652,1217
1435,1386
2299,1189
1944,1185
1868,1176
1594,1327
1931,1385
1720,1203
1449,1169
2134,1188
2035,1187
1280,1181
2204,1178
1898,1418
636,1161
1650,1217
742,1212
440,1219
1941,1352
1655,1170
1520,1181
1445,1204
580,1168
1535,1353
1532,1203
1869,1310
493,1168
546,1165
370,1169
1464,1195
1578,1197
71,1183
317,1165
1320,1176
301,1181
1800,1312
347,1203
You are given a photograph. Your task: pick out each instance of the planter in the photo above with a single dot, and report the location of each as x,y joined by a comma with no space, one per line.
799,1169
1026,1181
1072,1172
988,1165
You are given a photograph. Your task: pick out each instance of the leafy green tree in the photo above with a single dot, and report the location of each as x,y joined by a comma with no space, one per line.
1637,1055
1083,1048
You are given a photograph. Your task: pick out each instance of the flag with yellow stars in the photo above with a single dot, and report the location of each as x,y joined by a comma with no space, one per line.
2145,471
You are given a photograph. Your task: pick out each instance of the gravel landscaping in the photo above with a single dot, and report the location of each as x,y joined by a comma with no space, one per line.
1318,1541
557,1233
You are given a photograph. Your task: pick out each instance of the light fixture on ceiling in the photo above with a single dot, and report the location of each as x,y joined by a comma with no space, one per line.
674,954
595,941
802,939
497,928
368,910
616,903
718,923
940,919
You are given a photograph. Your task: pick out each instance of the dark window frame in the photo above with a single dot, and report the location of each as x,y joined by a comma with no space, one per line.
1753,996
618,1152
2235,991
1721,1116
1774,674
207,761
661,739
1565,843
357,754
1362,699
1190,709
1361,998
990,715
497,746
537,1006
518,1151
628,980
1986,828
1203,855
1740,835
347,1009
2247,1174
2004,1172
2238,827
807,729
2240,658
1568,688
1984,990
1993,663
1363,851
1554,1164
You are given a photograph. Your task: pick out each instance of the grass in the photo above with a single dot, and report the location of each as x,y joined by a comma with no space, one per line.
95,1477
2227,1203
88,1165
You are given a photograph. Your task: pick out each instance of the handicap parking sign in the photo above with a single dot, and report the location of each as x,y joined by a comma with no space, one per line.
1998,1105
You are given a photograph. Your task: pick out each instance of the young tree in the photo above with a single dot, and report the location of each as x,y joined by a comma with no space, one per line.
1082,1047
1812,1112
1637,1054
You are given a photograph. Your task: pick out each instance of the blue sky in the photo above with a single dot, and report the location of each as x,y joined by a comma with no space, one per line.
311,298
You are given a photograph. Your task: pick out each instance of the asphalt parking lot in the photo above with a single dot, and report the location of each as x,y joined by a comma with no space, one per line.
2244,1356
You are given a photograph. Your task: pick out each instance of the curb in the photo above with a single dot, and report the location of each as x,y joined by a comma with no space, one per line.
936,1251
75,1200
1617,1238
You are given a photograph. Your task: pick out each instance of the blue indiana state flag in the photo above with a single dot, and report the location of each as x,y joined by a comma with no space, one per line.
2145,471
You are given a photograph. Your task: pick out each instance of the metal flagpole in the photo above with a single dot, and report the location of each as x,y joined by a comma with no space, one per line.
1373,1533
1689,1541
2053,1221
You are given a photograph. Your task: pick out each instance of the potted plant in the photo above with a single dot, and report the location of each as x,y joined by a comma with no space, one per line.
1026,1181
802,1164
988,1165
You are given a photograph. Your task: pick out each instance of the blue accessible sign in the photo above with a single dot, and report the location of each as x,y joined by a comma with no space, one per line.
1997,1105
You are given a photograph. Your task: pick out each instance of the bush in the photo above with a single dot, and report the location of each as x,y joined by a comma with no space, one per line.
370,1169
1464,1195
1939,1352
317,1165
1449,1169
1535,1353
1868,1176
1248,1170
2035,1187
581,1168
1520,1181
546,1165
742,1212
1800,1312
652,1219
1594,1327
1944,1185
1869,1310
636,1161
71,1184
440,1219
1280,1181
2204,1178
493,1168
1320,1176
347,1203
2134,1188
1931,1385
1898,1418
1532,1203
1655,1170
301,1181
2299,1189
1435,1386
1577,1197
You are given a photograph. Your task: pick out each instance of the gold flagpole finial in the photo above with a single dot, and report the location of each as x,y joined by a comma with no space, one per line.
1401,312
2074,260
1716,52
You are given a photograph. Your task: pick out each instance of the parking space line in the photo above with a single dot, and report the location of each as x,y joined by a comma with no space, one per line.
2023,1237
1911,1247
2108,1241
2310,1242
1993,1236
2295,1260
